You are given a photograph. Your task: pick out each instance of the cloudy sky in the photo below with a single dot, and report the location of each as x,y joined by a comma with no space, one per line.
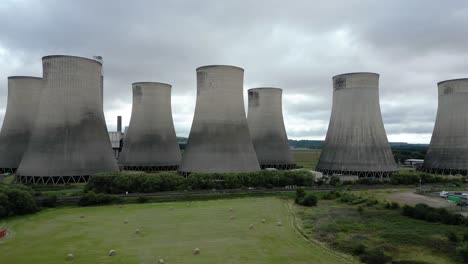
294,45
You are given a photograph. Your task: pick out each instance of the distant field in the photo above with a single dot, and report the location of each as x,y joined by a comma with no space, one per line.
307,158
168,230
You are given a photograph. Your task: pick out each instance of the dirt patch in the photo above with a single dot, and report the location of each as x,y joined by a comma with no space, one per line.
411,198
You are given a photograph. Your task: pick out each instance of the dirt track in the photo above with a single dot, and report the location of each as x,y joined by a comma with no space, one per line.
411,198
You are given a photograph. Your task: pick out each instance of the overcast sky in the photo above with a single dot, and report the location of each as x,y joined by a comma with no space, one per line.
294,45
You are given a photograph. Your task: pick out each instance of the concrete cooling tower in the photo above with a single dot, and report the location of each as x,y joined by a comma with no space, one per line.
151,143
219,140
448,151
69,141
356,143
267,129
22,104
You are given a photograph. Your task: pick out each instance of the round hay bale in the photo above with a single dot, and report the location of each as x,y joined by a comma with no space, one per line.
279,223
232,217
264,220
251,226
120,206
230,209
161,261
137,231
112,252
70,257
196,251
125,221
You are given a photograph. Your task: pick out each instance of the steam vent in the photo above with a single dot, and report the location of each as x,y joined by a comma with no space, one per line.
69,141
267,129
356,142
219,140
20,114
151,143
448,151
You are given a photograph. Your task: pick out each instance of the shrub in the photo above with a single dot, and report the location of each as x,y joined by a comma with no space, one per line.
16,200
358,249
49,201
462,252
309,200
91,198
375,256
334,180
300,194
452,237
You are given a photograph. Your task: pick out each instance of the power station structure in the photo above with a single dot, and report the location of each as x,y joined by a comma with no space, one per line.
448,150
219,139
151,143
69,141
266,125
22,105
356,143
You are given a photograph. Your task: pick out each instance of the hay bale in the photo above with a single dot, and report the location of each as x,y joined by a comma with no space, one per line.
112,252
161,261
137,231
232,217
279,223
125,221
196,251
251,226
70,257
230,209
263,220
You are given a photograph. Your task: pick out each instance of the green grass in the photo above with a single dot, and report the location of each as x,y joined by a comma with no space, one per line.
342,226
307,158
168,230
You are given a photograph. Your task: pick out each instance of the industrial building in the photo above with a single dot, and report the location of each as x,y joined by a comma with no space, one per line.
116,138
266,126
356,143
448,150
69,141
150,144
21,110
219,139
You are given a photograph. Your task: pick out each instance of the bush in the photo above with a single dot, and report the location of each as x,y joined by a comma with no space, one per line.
49,201
462,252
309,200
91,198
300,194
334,180
452,237
359,249
375,256
439,215
17,200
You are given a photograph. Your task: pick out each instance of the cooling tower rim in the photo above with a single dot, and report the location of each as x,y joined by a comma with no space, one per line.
70,56
354,73
24,77
219,65
157,83
452,80
265,88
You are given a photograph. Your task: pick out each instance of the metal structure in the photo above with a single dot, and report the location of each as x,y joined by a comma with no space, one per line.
356,142
151,143
219,139
266,125
69,142
22,105
448,150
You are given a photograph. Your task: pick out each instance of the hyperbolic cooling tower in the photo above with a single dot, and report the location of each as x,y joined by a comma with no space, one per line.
151,143
69,141
267,129
20,114
356,142
448,151
219,140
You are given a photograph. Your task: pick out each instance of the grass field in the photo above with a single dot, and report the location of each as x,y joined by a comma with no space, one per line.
168,230
307,158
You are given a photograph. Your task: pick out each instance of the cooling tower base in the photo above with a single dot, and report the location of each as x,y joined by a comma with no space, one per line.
278,166
7,170
51,179
463,172
360,174
150,168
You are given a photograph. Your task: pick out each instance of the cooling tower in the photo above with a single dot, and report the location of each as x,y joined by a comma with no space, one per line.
21,110
356,142
69,141
267,129
151,143
219,140
448,151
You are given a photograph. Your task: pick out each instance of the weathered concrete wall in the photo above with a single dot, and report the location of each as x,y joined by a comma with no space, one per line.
266,125
21,110
70,136
151,142
219,140
356,142
448,151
